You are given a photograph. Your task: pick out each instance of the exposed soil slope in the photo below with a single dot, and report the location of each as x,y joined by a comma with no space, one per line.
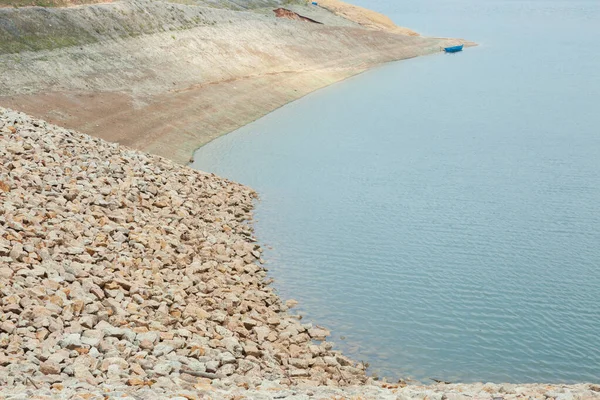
288,14
368,18
167,78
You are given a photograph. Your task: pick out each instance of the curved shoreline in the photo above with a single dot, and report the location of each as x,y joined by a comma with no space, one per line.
125,274
130,108
121,84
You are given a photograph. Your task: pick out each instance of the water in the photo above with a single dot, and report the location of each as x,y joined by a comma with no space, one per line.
442,214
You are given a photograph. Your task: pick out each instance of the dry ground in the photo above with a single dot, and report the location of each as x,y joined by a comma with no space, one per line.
167,78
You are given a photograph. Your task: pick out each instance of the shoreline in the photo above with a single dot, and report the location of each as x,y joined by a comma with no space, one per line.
131,91
127,274
130,348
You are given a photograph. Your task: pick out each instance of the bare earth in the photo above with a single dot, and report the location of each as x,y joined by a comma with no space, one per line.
172,90
367,18
127,276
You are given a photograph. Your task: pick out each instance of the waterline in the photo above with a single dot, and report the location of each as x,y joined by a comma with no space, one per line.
441,213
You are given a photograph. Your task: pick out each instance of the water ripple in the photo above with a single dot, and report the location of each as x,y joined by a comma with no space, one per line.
445,221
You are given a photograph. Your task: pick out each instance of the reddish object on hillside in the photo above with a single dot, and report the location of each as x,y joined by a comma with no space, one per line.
288,14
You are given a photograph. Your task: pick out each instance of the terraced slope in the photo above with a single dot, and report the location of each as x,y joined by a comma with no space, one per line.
167,78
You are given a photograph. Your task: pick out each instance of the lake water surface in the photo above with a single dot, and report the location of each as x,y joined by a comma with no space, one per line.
442,215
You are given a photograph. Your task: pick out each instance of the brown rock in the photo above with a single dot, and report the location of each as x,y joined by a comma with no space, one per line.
249,323
96,291
137,369
6,272
121,363
50,368
135,381
192,310
146,344
318,333
7,326
291,303
300,363
252,350
126,264
261,333
4,187
296,373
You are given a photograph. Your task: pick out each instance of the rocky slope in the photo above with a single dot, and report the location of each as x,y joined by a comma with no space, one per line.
125,275
121,267
166,78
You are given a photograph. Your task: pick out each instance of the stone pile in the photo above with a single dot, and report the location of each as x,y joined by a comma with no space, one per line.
118,267
126,276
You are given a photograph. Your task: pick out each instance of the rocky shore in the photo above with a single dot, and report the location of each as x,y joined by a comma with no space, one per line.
119,266
126,275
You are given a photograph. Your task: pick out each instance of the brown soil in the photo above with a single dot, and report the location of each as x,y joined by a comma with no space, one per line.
174,124
287,14
169,92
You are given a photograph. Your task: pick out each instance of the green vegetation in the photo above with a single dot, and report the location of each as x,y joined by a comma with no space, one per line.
226,4
24,28
45,3
31,35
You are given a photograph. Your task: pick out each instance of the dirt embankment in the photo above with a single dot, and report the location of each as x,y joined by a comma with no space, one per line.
368,18
167,78
288,14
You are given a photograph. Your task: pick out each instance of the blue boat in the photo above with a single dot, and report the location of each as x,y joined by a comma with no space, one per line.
453,49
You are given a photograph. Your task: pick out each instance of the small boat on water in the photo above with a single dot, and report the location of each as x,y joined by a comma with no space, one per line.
453,49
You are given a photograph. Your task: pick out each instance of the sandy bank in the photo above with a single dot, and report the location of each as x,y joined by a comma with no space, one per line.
167,78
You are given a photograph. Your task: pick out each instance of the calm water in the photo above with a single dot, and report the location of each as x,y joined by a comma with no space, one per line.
442,214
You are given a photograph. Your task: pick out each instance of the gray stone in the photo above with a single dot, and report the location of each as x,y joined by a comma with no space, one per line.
92,337
227,358
153,337
163,369
212,366
162,349
71,341
233,346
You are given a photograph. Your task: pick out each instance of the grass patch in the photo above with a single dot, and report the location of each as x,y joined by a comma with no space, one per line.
47,3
